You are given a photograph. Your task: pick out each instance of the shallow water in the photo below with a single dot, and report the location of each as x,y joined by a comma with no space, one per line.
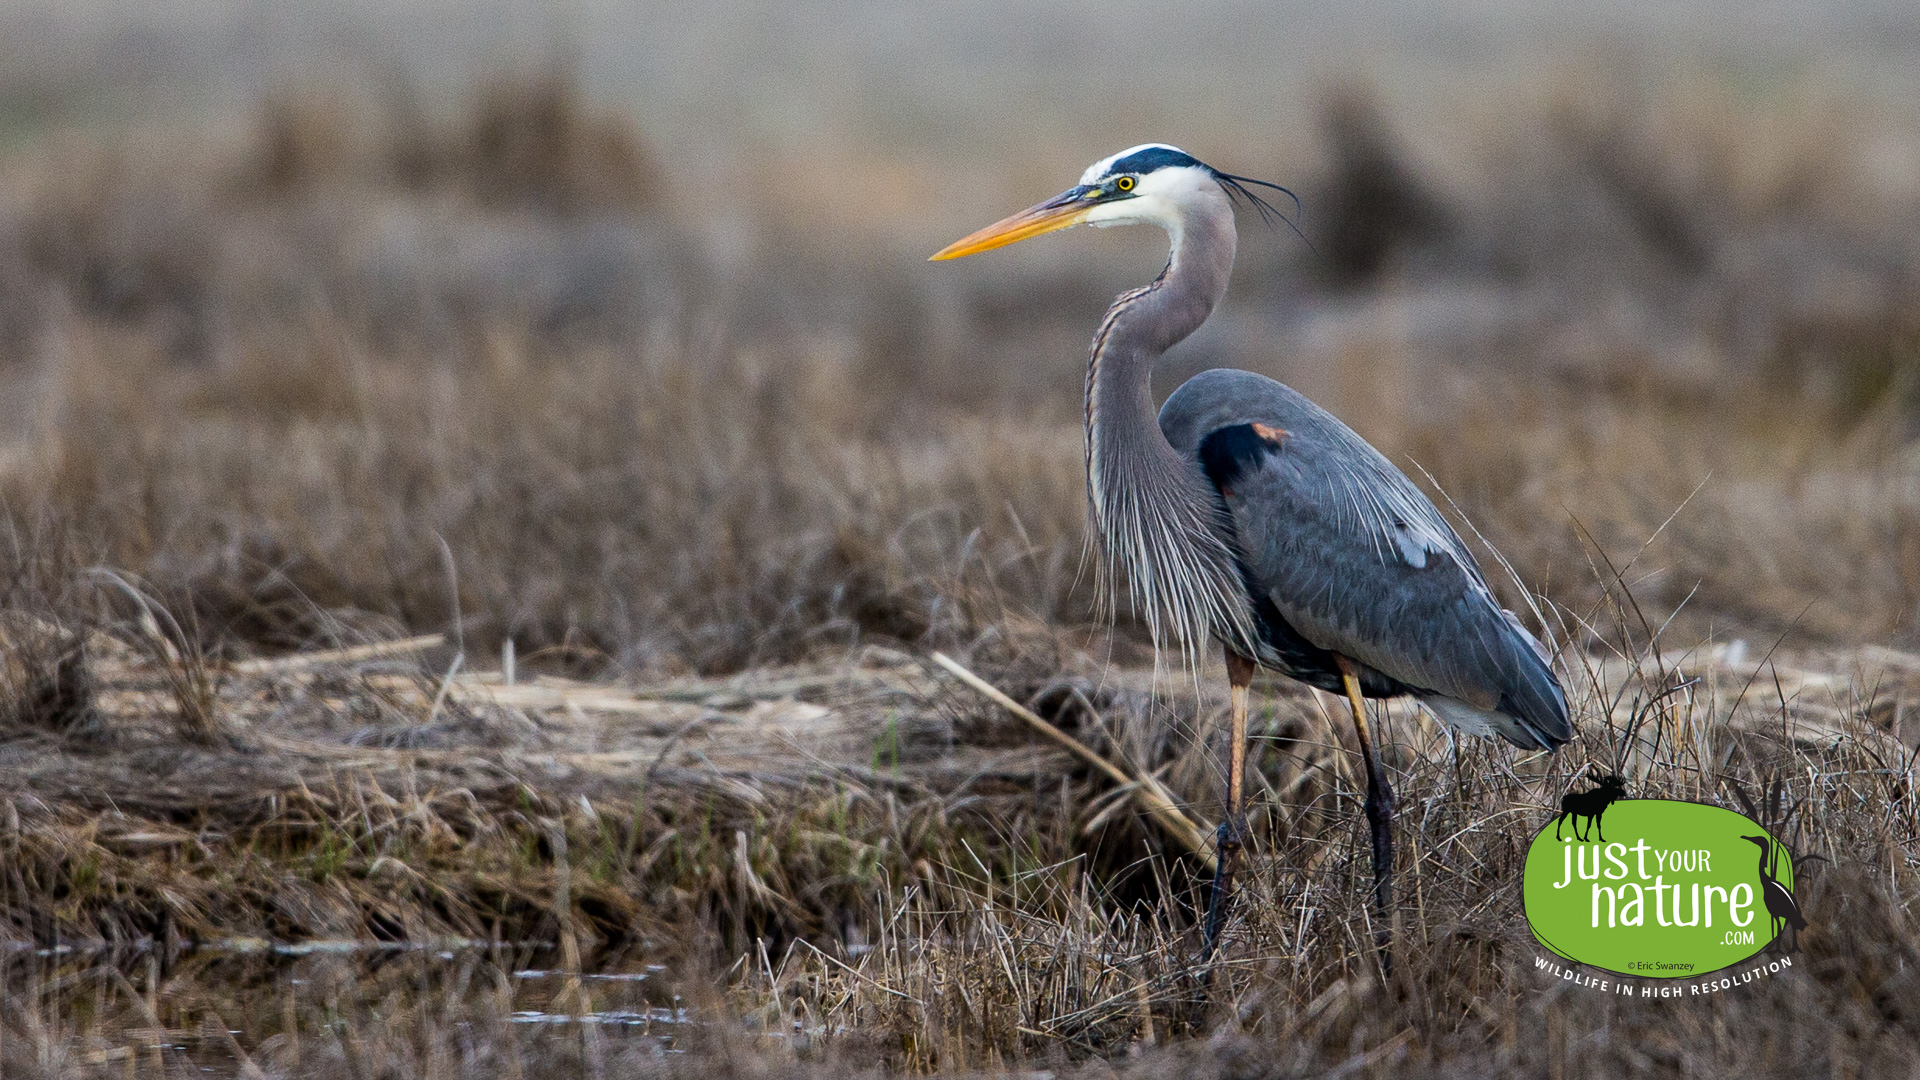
668,1018
103,1010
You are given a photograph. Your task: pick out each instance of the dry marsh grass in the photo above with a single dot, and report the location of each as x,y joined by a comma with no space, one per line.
902,878
528,141
370,373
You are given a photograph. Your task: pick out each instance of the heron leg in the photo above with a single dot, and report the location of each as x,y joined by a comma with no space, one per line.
1232,835
1379,810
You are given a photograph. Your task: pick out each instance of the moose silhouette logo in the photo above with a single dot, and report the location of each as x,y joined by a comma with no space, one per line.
1589,805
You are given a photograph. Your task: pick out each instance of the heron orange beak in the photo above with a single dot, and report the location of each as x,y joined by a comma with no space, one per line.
1064,210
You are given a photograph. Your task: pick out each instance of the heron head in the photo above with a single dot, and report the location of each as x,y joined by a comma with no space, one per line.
1761,840
1149,184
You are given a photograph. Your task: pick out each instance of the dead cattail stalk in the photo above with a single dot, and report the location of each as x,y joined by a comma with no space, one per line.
1147,791
307,661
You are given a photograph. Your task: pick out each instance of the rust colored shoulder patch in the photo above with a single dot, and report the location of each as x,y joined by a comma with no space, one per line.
1273,435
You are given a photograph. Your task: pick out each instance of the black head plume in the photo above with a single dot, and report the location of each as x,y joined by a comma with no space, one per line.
1237,190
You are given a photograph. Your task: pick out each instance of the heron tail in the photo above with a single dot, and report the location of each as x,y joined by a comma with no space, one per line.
1532,708
1534,696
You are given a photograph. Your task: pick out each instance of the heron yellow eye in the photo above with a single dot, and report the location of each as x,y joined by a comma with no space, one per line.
1125,183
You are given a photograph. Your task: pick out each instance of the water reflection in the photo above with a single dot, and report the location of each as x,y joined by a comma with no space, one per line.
215,1006
623,1017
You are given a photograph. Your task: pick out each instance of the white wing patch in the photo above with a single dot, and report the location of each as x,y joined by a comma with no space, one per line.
1384,512
1415,544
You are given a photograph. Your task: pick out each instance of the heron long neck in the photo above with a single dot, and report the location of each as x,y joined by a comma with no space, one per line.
1157,514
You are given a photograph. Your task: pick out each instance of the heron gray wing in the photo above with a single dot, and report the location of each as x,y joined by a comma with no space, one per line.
1354,557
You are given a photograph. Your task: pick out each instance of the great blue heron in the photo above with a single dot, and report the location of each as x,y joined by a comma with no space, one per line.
1249,514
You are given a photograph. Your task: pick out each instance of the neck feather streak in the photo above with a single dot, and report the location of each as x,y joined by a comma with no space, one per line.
1157,515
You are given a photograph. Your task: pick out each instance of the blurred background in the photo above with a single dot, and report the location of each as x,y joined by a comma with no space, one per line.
608,326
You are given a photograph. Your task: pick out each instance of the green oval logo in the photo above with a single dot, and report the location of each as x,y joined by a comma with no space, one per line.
1654,888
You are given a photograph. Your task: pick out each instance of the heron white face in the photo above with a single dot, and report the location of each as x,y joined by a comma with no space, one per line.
1150,184
1163,197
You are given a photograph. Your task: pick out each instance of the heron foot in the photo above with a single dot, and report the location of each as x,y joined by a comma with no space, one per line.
1228,841
1379,807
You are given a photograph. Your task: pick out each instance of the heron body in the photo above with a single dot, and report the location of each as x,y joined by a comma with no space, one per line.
1243,512
1341,554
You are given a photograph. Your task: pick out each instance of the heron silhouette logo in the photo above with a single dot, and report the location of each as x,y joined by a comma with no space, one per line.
1669,891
